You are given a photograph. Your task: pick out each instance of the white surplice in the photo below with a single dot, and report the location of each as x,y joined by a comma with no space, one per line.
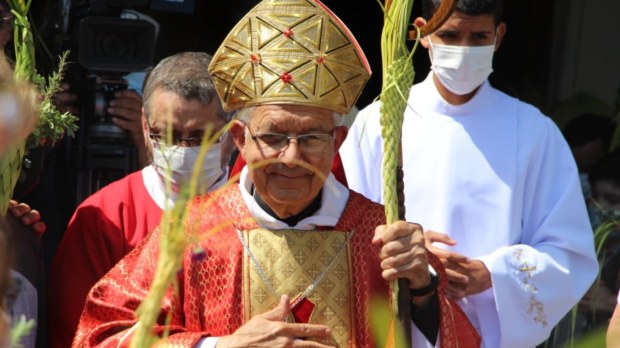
498,177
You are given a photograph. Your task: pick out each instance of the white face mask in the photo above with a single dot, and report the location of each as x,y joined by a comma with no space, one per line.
461,69
180,162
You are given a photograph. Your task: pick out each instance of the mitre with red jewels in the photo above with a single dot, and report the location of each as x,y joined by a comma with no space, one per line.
290,52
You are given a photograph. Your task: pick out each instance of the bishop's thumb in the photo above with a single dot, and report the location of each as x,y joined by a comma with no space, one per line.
281,311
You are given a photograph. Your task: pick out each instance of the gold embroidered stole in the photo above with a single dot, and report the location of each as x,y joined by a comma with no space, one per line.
292,260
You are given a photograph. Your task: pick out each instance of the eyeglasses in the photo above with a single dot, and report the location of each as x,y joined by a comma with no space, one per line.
184,142
164,139
310,144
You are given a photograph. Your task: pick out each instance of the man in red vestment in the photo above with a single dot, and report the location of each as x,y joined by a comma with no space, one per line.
290,257
109,224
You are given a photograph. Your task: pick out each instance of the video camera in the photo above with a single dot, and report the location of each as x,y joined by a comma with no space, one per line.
108,48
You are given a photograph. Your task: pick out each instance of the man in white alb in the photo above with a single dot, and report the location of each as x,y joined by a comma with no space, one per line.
492,181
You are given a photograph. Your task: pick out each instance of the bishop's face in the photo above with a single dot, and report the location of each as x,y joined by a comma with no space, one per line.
289,150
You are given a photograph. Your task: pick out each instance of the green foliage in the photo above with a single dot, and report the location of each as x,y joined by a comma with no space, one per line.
380,321
595,338
601,234
592,339
53,124
20,329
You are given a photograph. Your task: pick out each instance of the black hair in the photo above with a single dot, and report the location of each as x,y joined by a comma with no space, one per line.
586,128
607,169
468,7
185,74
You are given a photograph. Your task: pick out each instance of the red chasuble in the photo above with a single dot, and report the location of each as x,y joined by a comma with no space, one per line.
220,292
103,229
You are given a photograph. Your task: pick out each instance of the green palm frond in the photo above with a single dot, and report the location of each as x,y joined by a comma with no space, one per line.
52,125
174,241
21,329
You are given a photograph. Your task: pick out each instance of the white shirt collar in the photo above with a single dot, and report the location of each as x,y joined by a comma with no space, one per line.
425,99
333,202
156,187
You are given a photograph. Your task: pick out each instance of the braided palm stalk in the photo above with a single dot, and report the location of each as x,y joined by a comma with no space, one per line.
398,76
24,41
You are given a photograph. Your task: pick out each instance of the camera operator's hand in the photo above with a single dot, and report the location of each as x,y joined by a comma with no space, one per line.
126,112
66,101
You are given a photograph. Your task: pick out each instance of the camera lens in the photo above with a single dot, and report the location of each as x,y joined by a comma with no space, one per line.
101,104
103,89
108,44
116,46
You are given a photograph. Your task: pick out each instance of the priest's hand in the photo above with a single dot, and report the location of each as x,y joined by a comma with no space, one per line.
465,276
270,330
403,254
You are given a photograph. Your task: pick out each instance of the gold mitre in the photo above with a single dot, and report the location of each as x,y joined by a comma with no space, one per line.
290,52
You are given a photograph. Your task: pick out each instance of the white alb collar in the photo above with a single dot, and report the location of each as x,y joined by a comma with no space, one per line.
333,202
425,99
